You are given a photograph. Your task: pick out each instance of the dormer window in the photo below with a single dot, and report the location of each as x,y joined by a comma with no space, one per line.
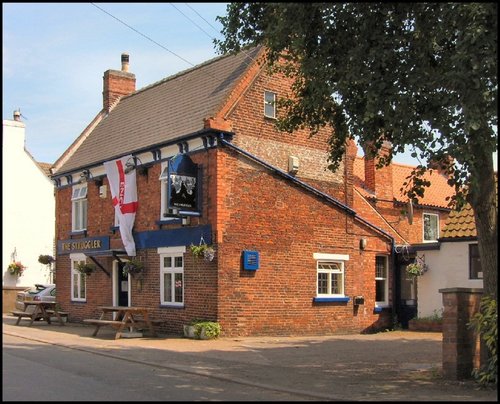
269,104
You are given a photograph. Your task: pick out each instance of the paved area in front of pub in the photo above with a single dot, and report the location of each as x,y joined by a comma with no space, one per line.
393,365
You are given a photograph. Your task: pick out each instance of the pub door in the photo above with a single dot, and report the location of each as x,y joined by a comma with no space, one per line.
122,287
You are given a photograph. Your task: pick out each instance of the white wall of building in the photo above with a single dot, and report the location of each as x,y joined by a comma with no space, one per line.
28,209
448,268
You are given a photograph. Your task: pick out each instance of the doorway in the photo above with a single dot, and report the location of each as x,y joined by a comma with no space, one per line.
406,295
121,287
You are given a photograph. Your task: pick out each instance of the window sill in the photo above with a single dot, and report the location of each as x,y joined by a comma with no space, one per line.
166,222
331,299
171,306
78,233
380,309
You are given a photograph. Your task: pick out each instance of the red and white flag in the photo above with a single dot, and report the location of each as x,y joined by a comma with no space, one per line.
124,194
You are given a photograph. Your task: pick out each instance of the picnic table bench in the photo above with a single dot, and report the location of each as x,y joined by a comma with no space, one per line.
132,318
43,310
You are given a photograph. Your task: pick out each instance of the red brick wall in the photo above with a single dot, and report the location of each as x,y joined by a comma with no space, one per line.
286,225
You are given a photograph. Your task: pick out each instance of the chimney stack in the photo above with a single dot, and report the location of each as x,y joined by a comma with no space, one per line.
378,180
117,83
125,62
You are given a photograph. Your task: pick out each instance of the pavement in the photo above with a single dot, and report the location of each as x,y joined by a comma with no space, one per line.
386,366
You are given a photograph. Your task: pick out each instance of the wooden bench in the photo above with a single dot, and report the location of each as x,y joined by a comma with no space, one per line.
21,314
99,323
63,314
155,323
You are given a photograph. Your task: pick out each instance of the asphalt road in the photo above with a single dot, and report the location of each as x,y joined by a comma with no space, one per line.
34,371
389,366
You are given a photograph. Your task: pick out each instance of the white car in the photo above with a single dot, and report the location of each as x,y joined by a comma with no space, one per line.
46,293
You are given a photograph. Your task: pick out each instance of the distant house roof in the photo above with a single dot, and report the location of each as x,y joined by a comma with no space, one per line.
434,196
45,168
460,224
169,109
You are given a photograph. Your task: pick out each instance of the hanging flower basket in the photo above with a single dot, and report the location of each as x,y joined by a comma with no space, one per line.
133,267
204,251
414,270
46,259
16,268
85,268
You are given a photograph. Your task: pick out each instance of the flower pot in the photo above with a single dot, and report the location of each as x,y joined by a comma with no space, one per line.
189,331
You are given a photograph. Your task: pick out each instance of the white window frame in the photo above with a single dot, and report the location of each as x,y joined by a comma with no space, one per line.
385,302
172,271
79,207
77,279
270,104
164,191
424,214
326,259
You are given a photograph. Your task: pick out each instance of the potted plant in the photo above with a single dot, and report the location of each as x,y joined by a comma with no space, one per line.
202,329
85,268
204,251
133,267
16,268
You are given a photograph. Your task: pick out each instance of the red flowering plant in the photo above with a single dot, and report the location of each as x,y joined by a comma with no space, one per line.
16,268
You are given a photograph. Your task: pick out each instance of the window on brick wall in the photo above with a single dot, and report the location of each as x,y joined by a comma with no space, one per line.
79,207
78,280
381,281
431,227
269,104
164,191
475,270
330,278
172,276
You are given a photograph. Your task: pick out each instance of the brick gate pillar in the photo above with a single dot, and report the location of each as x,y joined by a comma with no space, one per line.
461,345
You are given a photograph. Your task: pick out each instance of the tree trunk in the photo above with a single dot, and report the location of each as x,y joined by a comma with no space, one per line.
484,204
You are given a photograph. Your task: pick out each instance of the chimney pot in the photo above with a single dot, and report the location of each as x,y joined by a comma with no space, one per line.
17,116
125,62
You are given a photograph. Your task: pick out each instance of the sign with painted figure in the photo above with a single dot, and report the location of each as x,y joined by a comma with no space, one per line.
183,184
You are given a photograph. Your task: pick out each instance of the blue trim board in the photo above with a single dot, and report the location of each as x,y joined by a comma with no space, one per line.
330,299
173,237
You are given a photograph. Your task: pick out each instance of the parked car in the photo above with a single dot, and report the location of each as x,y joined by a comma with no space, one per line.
39,292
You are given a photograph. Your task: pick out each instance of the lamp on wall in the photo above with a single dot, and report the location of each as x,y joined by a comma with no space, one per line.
131,164
85,175
362,243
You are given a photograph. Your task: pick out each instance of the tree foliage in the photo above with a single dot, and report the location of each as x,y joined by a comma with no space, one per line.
422,75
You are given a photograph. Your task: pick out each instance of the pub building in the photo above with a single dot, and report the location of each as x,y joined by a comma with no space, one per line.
196,159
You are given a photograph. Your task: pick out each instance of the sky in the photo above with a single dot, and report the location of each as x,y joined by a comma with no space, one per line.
55,55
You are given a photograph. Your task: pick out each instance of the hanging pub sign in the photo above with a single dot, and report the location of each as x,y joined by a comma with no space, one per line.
183,184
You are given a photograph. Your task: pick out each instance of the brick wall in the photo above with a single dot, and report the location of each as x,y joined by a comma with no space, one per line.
461,345
286,225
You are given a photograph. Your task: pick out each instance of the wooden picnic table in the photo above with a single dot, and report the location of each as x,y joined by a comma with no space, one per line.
125,317
42,310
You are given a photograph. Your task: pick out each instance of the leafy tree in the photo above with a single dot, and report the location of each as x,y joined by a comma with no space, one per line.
422,75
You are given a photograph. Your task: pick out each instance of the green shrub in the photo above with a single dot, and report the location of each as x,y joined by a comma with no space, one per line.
212,328
485,323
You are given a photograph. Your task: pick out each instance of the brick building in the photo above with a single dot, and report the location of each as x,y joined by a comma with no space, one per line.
293,256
